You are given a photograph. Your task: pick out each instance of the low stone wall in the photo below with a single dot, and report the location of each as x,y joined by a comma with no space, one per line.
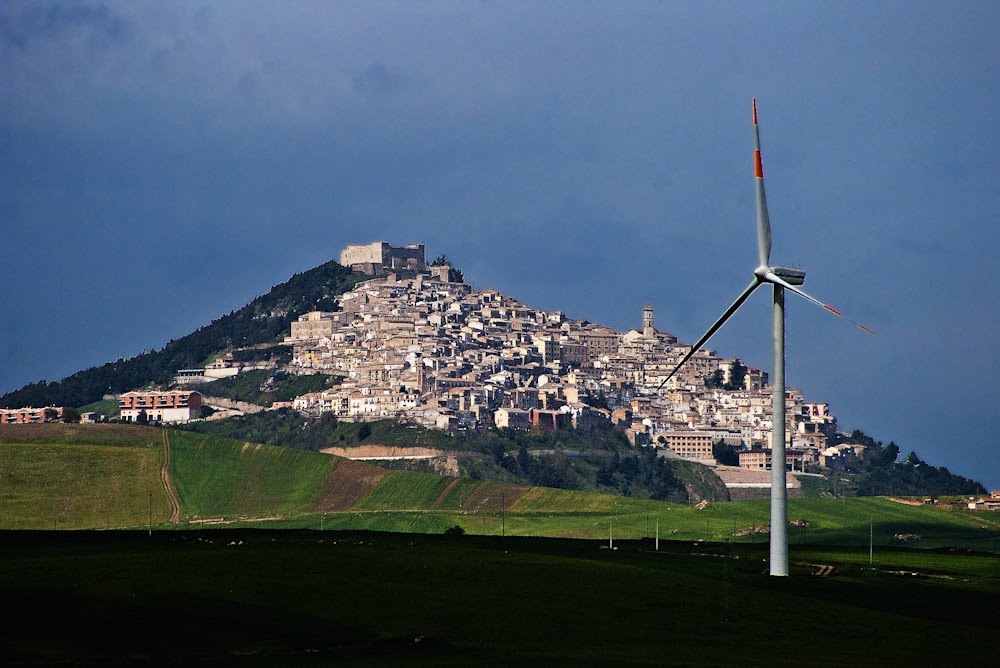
241,406
386,452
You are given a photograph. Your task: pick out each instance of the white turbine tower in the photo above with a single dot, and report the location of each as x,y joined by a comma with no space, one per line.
781,279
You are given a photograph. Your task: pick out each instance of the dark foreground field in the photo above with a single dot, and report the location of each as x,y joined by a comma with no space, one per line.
342,598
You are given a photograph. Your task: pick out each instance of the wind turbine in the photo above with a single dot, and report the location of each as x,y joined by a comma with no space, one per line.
781,279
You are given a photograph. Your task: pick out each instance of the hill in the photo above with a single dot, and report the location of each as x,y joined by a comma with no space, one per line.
100,476
263,320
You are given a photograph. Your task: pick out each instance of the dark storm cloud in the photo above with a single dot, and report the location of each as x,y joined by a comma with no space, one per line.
20,26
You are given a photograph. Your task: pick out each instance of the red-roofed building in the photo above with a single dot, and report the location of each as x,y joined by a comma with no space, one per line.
172,406
31,415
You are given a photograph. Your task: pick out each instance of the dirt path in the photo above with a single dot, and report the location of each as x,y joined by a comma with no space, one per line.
444,494
175,505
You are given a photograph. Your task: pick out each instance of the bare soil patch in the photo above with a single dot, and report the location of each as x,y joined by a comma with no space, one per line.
906,502
346,484
489,496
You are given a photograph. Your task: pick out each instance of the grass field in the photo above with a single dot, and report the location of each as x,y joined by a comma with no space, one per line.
221,478
358,598
100,476
62,476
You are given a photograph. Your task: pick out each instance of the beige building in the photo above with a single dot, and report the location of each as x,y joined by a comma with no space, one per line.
313,325
694,445
599,341
512,418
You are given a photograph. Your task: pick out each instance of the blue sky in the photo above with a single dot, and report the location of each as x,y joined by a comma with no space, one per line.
162,163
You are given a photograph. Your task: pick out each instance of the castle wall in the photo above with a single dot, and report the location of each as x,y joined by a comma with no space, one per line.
379,254
376,252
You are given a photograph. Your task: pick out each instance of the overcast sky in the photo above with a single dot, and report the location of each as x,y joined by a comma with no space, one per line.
162,163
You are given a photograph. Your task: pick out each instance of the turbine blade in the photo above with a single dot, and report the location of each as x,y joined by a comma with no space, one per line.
774,278
713,329
763,221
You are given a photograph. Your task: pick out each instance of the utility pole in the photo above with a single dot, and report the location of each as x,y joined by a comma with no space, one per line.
871,539
503,520
657,535
150,524
611,535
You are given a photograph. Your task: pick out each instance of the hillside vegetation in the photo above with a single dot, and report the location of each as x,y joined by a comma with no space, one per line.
265,386
881,474
99,476
598,459
263,320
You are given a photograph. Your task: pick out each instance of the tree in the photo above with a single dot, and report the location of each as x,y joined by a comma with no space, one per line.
71,415
142,417
715,380
454,275
727,455
599,400
737,376
364,431
51,414
882,457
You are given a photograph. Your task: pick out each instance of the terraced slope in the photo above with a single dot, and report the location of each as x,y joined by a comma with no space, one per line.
219,478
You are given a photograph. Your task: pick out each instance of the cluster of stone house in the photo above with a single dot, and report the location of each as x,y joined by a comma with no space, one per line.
992,502
412,345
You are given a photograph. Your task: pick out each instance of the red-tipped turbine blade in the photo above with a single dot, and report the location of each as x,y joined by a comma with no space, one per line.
763,220
774,278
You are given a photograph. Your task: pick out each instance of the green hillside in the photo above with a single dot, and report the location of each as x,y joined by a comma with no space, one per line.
217,477
97,476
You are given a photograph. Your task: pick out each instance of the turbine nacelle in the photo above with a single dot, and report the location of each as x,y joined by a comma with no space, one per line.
789,275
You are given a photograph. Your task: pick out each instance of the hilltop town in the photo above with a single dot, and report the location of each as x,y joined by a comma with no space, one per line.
417,343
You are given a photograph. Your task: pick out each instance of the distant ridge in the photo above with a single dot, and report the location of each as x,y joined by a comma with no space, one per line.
264,319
